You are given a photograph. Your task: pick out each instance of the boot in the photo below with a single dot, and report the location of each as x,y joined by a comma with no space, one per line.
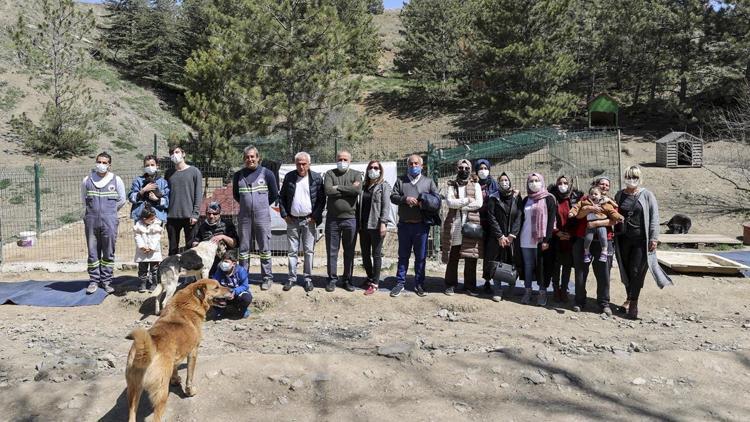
526,296
633,309
625,305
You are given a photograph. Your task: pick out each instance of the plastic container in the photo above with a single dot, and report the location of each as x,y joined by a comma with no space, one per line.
26,239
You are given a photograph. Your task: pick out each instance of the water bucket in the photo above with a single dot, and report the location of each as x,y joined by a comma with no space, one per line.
26,239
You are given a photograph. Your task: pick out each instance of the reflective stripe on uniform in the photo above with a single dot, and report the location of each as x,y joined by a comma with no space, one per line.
265,255
94,264
106,263
259,188
102,194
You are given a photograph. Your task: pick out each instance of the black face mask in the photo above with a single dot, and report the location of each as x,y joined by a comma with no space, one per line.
463,174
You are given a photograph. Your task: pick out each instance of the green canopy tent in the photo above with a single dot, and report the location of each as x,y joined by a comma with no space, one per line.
604,112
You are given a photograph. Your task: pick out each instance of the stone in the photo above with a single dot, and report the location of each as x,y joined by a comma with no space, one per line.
399,350
283,400
443,313
321,377
268,328
560,379
212,374
452,317
238,327
253,400
639,381
505,385
461,407
297,385
745,325
109,359
534,378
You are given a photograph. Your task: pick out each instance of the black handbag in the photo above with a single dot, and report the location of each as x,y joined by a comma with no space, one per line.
472,230
505,273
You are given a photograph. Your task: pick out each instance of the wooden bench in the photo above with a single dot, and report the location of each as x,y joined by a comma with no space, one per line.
700,240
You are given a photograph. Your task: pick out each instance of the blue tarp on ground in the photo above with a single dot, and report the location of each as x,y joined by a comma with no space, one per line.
57,293
743,257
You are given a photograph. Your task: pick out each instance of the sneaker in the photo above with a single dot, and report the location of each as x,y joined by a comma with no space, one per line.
541,300
497,295
107,288
288,285
348,286
577,308
603,257
246,314
371,288
266,285
92,288
472,292
526,299
487,287
397,290
587,257
142,287
606,310
331,286
450,291
308,286
419,290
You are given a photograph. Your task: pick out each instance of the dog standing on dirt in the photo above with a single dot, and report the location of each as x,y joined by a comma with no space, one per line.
176,335
196,262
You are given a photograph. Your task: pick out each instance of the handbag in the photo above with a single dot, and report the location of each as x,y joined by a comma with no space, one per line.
505,273
472,230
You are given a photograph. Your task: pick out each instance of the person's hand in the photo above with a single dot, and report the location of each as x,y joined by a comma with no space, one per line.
470,201
563,235
545,246
152,196
383,230
591,225
652,245
195,244
232,296
312,221
411,201
218,238
144,249
356,183
571,214
288,219
149,187
193,221
621,219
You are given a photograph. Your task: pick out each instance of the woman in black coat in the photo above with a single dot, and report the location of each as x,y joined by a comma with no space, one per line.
504,220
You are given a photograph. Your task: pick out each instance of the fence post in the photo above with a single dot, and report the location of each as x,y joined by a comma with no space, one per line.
155,146
38,196
433,172
619,161
335,148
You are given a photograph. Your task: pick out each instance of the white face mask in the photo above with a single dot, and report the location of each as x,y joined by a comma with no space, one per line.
535,186
483,174
505,184
150,170
373,174
632,183
176,158
342,165
225,266
101,168
562,188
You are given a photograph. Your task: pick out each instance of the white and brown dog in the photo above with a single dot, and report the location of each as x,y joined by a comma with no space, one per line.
193,262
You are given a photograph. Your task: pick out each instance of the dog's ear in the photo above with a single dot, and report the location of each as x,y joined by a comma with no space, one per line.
200,291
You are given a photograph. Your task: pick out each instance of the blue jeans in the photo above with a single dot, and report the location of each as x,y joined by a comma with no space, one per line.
529,256
412,237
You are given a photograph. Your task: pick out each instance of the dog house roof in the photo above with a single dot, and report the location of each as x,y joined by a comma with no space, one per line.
673,136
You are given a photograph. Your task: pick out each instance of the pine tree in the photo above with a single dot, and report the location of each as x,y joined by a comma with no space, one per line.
375,7
51,43
362,39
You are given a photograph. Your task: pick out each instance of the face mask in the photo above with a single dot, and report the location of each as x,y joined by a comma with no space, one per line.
463,174
562,188
632,183
415,171
150,170
505,184
176,158
373,174
535,186
483,174
225,266
101,168
342,165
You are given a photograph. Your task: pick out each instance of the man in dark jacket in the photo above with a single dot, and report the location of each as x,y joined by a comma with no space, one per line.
215,229
301,203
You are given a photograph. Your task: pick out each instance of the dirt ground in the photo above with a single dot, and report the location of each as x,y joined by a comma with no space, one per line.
346,356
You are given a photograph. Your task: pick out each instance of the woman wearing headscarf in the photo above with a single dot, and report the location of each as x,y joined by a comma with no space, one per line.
560,252
635,246
504,218
489,187
464,199
537,224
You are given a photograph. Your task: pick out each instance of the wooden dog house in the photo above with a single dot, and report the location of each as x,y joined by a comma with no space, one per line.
679,149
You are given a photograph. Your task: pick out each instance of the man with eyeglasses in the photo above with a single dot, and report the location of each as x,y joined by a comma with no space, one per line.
413,229
103,194
215,229
302,200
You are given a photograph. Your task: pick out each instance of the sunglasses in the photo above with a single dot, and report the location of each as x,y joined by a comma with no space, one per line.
212,213
464,168
373,168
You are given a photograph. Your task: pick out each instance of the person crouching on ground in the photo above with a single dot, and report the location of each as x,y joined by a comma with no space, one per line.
233,276
215,229
147,232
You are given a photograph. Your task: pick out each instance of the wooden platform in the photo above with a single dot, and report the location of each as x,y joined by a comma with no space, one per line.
698,238
695,262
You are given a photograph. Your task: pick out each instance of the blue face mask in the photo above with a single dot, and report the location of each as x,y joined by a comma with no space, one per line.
415,171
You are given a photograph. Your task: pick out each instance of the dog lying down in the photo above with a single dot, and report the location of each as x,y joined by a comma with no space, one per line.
176,335
196,262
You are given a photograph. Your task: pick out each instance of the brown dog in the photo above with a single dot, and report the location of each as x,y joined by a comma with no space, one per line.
176,335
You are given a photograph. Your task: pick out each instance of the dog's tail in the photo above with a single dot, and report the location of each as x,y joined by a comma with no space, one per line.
144,348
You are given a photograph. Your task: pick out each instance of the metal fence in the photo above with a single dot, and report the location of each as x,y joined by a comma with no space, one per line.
46,200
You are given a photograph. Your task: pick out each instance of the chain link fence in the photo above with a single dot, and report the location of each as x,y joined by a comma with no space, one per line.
46,200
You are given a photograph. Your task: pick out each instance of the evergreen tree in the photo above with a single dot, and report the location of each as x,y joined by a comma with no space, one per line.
50,41
361,37
375,7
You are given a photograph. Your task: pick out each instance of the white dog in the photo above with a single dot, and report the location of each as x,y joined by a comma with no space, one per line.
196,262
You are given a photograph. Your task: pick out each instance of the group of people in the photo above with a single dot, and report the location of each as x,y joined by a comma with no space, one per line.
541,232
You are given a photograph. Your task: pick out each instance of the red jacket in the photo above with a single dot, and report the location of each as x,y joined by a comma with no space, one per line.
580,228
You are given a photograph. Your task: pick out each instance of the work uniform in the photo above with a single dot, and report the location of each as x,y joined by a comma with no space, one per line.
102,197
255,190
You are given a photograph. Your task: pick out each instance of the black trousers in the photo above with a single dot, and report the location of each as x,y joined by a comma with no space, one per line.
174,226
371,246
634,261
451,270
601,273
560,263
